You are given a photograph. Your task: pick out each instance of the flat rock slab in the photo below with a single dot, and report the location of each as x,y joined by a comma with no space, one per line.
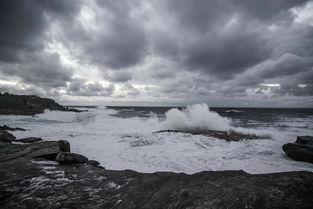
27,182
29,140
232,136
41,149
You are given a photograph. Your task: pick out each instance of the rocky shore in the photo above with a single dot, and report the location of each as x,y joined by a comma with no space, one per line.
28,105
45,174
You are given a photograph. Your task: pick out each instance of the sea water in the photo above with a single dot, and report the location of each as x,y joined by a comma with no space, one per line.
122,137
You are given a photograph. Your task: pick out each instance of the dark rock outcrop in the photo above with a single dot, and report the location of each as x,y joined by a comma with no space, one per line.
301,150
305,140
64,146
6,137
46,149
8,128
28,105
67,157
231,136
29,180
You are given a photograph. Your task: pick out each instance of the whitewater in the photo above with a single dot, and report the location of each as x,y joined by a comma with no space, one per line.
118,142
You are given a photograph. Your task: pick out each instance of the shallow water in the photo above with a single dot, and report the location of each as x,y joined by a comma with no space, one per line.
121,137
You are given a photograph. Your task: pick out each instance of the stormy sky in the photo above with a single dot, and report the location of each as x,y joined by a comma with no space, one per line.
247,53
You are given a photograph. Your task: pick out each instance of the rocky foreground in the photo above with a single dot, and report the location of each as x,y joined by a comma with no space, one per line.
45,174
28,105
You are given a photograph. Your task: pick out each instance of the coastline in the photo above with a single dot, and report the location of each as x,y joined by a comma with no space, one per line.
36,173
29,179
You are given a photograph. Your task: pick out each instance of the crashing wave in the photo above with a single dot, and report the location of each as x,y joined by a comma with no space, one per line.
197,116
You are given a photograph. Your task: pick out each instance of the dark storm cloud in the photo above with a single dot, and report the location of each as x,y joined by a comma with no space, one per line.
224,38
176,48
114,39
41,69
22,38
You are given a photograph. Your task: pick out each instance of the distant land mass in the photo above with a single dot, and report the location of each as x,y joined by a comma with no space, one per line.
28,105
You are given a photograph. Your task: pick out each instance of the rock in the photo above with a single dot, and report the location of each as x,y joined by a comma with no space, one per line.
8,128
67,157
30,140
299,152
93,162
28,105
64,146
45,149
6,137
26,182
305,140
231,136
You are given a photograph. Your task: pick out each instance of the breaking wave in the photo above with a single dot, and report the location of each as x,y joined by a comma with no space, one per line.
197,116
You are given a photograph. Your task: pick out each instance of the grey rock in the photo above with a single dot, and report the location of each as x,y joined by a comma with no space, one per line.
6,137
231,136
299,152
8,128
67,157
26,182
64,146
93,162
46,149
305,140
30,140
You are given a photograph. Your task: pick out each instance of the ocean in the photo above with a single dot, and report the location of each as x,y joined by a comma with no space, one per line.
122,137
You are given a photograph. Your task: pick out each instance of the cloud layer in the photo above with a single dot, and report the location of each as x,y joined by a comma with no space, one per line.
223,52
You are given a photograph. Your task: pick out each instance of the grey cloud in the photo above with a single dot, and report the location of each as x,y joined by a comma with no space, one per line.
22,40
177,49
129,90
119,76
42,69
119,40
80,87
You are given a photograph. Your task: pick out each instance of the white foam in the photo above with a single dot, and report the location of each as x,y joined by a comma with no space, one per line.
196,116
128,143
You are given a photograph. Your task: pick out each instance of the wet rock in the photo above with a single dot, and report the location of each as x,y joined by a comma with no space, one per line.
67,157
301,150
46,149
93,162
6,137
228,136
8,128
27,182
30,140
305,140
64,146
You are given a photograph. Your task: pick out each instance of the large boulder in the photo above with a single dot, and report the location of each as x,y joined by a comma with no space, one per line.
67,157
301,150
64,146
